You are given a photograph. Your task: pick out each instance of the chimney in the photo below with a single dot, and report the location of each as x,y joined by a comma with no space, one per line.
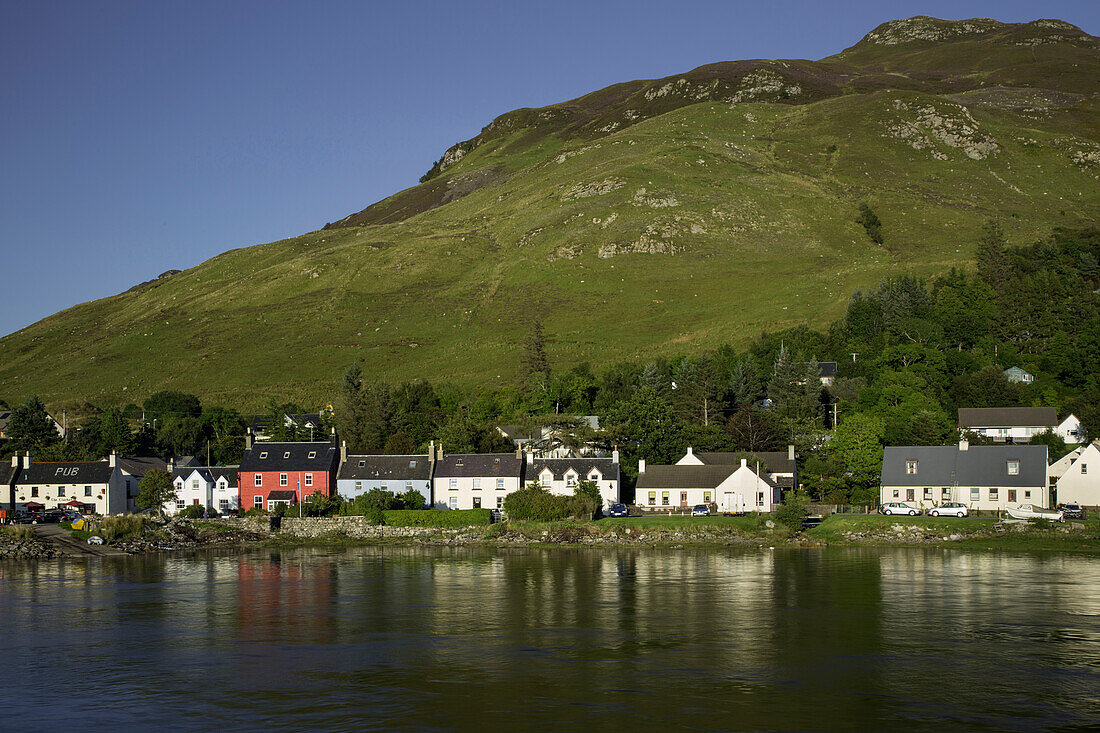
170,467
790,452
615,455
530,456
431,451
744,463
27,459
689,451
439,453
964,444
113,460
343,451
15,460
641,465
335,442
248,439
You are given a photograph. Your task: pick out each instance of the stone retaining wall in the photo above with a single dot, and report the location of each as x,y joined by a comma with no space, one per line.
321,526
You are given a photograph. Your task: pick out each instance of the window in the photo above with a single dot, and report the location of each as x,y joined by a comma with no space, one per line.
194,483
664,498
60,491
945,494
195,502
993,495
309,479
358,486
759,498
653,498
500,484
910,468
453,502
1013,468
221,486
263,455
1084,468
362,463
286,455
706,497
258,502
412,464
500,502
1011,495
384,486
408,485
897,494
259,479
312,455
282,479
910,494
477,502
928,493
477,484
594,476
1027,494
223,505
975,495
454,484
87,491
180,503
571,479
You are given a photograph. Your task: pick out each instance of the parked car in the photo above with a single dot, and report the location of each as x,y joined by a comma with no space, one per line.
618,510
897,507
949,509
1072,511
22,518
700,510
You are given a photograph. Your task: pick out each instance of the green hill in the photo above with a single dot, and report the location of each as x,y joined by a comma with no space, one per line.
651,217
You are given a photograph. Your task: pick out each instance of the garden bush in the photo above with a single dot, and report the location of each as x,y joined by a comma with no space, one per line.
192,511
793,510
113,529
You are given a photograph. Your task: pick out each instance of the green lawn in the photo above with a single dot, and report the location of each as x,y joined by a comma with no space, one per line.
748,522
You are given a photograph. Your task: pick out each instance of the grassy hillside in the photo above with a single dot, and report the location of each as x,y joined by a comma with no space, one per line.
633,221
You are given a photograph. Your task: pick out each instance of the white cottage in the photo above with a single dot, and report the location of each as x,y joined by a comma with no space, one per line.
475,480
1080,483
561,475
1071,430
732,488
212,487
1007,424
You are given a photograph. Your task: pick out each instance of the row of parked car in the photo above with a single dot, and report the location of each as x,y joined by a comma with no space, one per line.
49,516
957,509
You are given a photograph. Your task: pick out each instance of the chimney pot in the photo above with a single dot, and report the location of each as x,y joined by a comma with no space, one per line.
343,451
27,459
615,456
744,463
964,444
113,460
641,465
790,452
689,450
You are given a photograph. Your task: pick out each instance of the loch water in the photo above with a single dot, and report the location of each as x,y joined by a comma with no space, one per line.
410,638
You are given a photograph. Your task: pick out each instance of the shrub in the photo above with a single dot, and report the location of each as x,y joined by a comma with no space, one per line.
19,531
113,529
793,510
255,512
437,517
192,511
537,504
870,222
413,499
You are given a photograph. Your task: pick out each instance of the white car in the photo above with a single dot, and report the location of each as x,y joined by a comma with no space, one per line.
897,507
949,509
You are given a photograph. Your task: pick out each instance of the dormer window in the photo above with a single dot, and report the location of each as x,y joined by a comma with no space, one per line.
263,455
312,454
362,463
1013,468
910,468
412,464
286,455
496,461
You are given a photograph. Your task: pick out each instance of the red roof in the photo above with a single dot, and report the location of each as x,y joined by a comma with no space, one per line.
29,504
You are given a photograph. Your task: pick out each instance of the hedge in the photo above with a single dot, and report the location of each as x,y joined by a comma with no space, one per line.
437,517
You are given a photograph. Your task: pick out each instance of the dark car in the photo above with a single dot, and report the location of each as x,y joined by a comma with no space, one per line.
22,518
618,510
1072,511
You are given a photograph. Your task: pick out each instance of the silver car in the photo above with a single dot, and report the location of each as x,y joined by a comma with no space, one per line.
949,509
897,507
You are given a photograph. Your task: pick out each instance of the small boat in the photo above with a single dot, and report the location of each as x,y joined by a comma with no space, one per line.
1030,511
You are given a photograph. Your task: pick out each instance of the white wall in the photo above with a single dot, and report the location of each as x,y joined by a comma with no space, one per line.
465,492
989,497
205,494
349,488
608,485
1080,484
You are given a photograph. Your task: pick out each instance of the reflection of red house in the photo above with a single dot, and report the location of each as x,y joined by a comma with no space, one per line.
277,593
272,473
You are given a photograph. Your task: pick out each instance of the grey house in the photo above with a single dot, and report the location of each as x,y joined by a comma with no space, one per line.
980,476
359,474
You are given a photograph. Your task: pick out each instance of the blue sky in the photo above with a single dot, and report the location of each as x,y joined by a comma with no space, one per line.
137,137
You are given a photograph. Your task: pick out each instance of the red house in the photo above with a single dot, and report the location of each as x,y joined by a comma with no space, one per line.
285,473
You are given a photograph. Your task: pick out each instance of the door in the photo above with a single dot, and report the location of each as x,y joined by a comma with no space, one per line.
910,494
683,498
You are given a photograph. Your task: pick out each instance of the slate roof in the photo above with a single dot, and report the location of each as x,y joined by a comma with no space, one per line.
7,473
210,474
79,472
517,435
979,465
140,465
282,495
690,477
270,457
476,465
776,461
394,468
1007,417
581,466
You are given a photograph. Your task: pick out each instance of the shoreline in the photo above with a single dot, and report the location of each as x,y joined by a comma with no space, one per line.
870,531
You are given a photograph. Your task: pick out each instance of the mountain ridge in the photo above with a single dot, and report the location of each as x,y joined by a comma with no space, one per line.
724,208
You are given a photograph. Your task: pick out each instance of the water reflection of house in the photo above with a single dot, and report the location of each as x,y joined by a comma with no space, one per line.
288,599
